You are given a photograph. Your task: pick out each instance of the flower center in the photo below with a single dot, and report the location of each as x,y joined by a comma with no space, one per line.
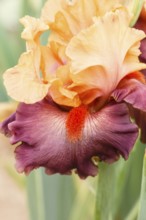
75,122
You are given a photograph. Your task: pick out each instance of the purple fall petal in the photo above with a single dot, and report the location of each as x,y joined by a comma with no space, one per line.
140,119
143,54
133,92
112,131
141,25
41,129
143,50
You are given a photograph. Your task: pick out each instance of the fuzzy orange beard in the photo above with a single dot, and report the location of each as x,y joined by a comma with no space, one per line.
75,122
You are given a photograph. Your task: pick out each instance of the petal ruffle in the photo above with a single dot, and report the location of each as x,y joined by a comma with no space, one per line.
68,18
41,129
32,31
132,92
23,82
33,27
141,25
140,119
26,82
143,54
53,56
62,95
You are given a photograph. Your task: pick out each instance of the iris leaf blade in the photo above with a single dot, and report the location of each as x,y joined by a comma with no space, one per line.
142,208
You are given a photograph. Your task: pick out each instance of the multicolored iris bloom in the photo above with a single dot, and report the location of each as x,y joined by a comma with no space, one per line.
78,91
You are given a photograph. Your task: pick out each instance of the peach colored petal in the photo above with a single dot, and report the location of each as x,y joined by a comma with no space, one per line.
63,96
88,84
67,18
60,91
61,29
49,63
74,12
23,83
33,28
53,15
110,47
50,9
63,73
52,57
80,8
105,6
46,67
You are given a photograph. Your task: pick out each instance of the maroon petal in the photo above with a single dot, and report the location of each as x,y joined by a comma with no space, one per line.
42,129
141,25
143,50
143,53
140,119
133,92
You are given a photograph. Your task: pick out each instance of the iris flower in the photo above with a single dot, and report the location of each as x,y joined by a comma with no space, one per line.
77,92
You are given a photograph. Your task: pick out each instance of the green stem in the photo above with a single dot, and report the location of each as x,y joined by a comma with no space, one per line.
105,192
36,196
40,195
142,208
133,213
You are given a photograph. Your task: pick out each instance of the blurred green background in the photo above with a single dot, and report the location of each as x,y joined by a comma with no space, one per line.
42,197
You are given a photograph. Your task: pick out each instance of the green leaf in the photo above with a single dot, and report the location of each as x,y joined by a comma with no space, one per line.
50,197
105,191
142,210
129,181
137,7
132,215
84,202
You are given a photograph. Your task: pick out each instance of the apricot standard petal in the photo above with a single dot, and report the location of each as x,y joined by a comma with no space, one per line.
33,27
23,82
109,47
